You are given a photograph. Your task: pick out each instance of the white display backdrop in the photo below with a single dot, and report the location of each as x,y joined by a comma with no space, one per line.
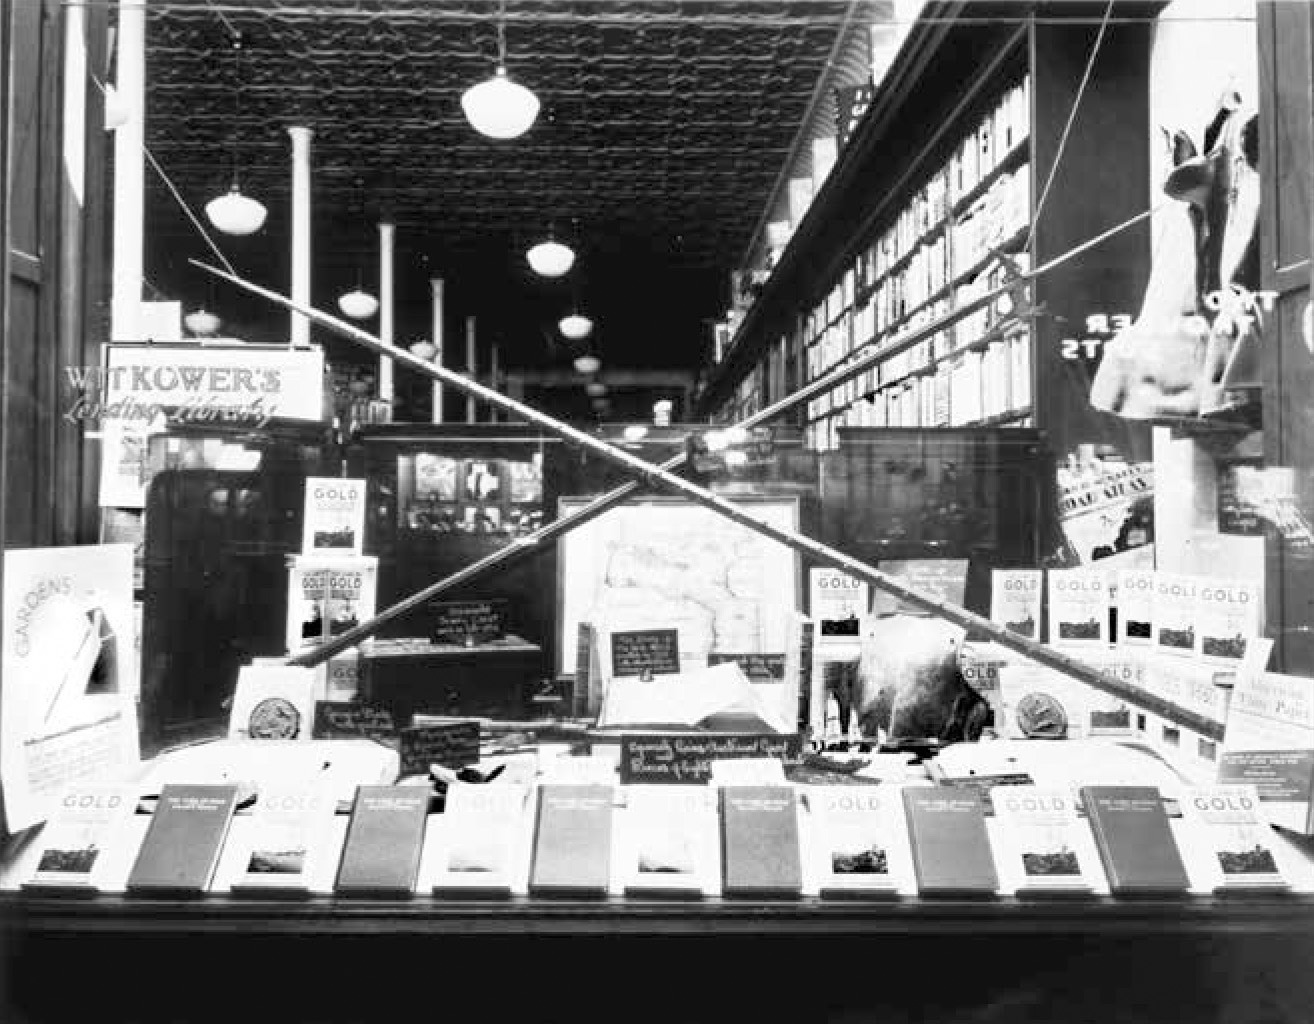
667,562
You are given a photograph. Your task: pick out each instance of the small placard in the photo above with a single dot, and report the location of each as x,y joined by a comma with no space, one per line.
338,719
760,668
450,744
679,759
645,652
944,579
466,623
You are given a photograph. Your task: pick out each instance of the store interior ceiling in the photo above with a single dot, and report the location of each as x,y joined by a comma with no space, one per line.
665,129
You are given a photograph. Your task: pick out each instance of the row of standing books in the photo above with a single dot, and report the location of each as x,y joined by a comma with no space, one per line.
588,838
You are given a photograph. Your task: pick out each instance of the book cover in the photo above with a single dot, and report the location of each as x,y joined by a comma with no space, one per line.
572,840
858,841
1078,607
334,518
86,820
1135,602
1135,840
273,702
1227,820
950,847
1039,834
1230,617
480,837
1176,611
760,841
667,841
837,603
385,837
288,840
1015,600
328,595
1269,743
181,848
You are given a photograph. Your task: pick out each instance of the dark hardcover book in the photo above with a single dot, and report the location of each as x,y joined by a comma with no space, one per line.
950,846
759,841
1135,840
385,837
182,845
572,840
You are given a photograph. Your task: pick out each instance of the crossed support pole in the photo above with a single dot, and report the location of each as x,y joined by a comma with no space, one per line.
646,475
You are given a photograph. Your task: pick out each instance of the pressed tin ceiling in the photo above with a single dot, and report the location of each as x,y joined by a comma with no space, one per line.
664,128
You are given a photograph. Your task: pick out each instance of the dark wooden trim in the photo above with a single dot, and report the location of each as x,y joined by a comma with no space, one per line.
24,265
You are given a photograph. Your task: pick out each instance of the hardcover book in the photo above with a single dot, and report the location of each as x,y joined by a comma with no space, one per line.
760,841
1136,607
385,837
181,848
334,520
1078,607
86,820
667,841
1176,611
950,847
572,840
858,841
1228,822
328,595
1039,834
480,837
1015,600
288,840
1135,840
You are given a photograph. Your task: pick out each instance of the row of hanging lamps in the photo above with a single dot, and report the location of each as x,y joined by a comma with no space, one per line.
234,213
499,107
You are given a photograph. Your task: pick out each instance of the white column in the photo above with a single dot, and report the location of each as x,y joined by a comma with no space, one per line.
471,367
387,232
129,174
436,336
300,230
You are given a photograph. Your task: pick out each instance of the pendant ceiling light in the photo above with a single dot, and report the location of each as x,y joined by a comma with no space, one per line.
576,326
234,213
595,389
202,323
358,304
551,258
587,364
498,107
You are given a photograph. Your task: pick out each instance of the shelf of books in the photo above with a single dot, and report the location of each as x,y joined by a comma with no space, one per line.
964,232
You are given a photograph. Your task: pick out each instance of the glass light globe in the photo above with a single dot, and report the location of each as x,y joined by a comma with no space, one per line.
358,305
587,364
575,327
499,107
202,322
595,389
236,214
551,258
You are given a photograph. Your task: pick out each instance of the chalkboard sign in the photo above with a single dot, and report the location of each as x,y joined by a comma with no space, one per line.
466,623
450,744
686,758
340,719
760,668
645,652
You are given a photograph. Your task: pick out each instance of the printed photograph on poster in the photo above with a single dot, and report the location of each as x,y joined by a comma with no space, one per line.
70,671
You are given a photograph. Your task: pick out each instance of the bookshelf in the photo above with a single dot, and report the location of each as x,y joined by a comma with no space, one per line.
934,201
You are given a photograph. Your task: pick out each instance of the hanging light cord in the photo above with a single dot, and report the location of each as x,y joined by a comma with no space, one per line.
501,35
237,98
182,203
1067,128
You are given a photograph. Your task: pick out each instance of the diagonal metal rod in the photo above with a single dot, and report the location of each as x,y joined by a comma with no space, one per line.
656,476
549,532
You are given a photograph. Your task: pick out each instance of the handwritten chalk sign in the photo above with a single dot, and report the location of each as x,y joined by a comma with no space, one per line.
645,652
450,744
759,668
686,759
340,719
466,623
